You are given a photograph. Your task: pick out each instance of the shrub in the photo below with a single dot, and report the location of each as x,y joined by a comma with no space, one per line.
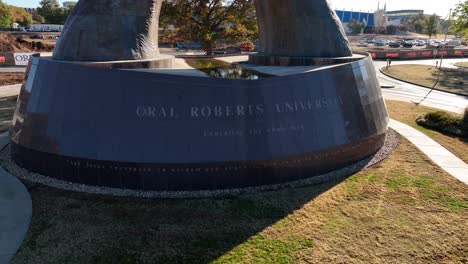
465,120
445,123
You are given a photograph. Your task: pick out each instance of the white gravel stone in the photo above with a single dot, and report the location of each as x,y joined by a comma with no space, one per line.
391,141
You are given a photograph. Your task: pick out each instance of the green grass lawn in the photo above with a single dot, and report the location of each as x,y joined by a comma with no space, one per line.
408,112
403,210
451,80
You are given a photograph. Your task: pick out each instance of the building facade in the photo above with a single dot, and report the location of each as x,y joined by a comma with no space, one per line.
379,19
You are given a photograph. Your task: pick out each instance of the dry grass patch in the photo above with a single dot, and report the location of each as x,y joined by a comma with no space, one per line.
407,113
7,109
462,64
451,80
9,78
404,210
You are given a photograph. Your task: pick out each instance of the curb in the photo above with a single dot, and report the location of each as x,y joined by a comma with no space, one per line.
428,87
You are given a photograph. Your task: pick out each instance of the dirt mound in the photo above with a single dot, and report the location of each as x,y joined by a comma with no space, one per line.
10,43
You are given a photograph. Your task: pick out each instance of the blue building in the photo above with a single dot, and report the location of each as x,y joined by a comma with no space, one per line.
362,17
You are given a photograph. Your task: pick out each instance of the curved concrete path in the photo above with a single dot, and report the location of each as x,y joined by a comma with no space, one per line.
15,212
441,156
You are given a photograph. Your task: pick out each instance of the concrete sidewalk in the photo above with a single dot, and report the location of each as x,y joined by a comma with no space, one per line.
10,90
438,154
15,212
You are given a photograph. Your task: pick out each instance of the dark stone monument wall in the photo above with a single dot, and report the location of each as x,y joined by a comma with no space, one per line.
151,131
110,30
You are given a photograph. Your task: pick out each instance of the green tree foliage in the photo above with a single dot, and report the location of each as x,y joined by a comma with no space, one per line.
21,17
355,26
391,30
52,12
430,25
460,22
67,11
6,17
209,21
38,18
416,23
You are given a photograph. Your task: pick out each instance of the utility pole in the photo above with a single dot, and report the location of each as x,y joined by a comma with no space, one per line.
445,39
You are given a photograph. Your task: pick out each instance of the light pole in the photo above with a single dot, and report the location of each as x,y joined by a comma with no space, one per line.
445,40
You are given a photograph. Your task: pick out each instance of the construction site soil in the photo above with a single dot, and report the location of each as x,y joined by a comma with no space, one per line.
19,43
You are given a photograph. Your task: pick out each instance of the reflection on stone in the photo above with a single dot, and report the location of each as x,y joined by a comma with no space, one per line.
203,133
81,119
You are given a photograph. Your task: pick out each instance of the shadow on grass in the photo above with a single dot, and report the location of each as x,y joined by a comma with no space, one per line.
461,138
83,228
453,80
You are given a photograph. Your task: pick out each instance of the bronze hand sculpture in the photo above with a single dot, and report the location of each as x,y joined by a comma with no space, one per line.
113,30
110,30
300,28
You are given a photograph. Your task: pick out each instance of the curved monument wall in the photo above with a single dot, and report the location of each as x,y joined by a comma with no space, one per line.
140,130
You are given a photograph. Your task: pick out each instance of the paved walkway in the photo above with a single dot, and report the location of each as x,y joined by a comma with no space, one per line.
10,90
15,212
441,156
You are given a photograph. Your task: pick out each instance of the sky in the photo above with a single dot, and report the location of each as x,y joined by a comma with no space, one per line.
440,7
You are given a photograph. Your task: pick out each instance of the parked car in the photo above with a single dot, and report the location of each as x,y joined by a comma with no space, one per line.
379,43
394,44
189,46
434,43
420,43
37,37
407,44
454,42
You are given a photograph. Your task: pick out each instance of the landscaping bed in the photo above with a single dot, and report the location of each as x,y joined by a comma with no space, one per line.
14,43
451,80
408,113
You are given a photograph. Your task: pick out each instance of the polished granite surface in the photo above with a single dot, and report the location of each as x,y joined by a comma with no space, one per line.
146,130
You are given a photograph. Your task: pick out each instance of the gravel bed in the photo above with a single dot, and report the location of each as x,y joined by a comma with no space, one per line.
391,141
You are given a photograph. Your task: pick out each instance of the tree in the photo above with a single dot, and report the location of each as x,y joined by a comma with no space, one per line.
460,22
51,11
6,18
430,25
21,17
416,23
355,26
369,30
209,21
68,10
38,18
391,30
